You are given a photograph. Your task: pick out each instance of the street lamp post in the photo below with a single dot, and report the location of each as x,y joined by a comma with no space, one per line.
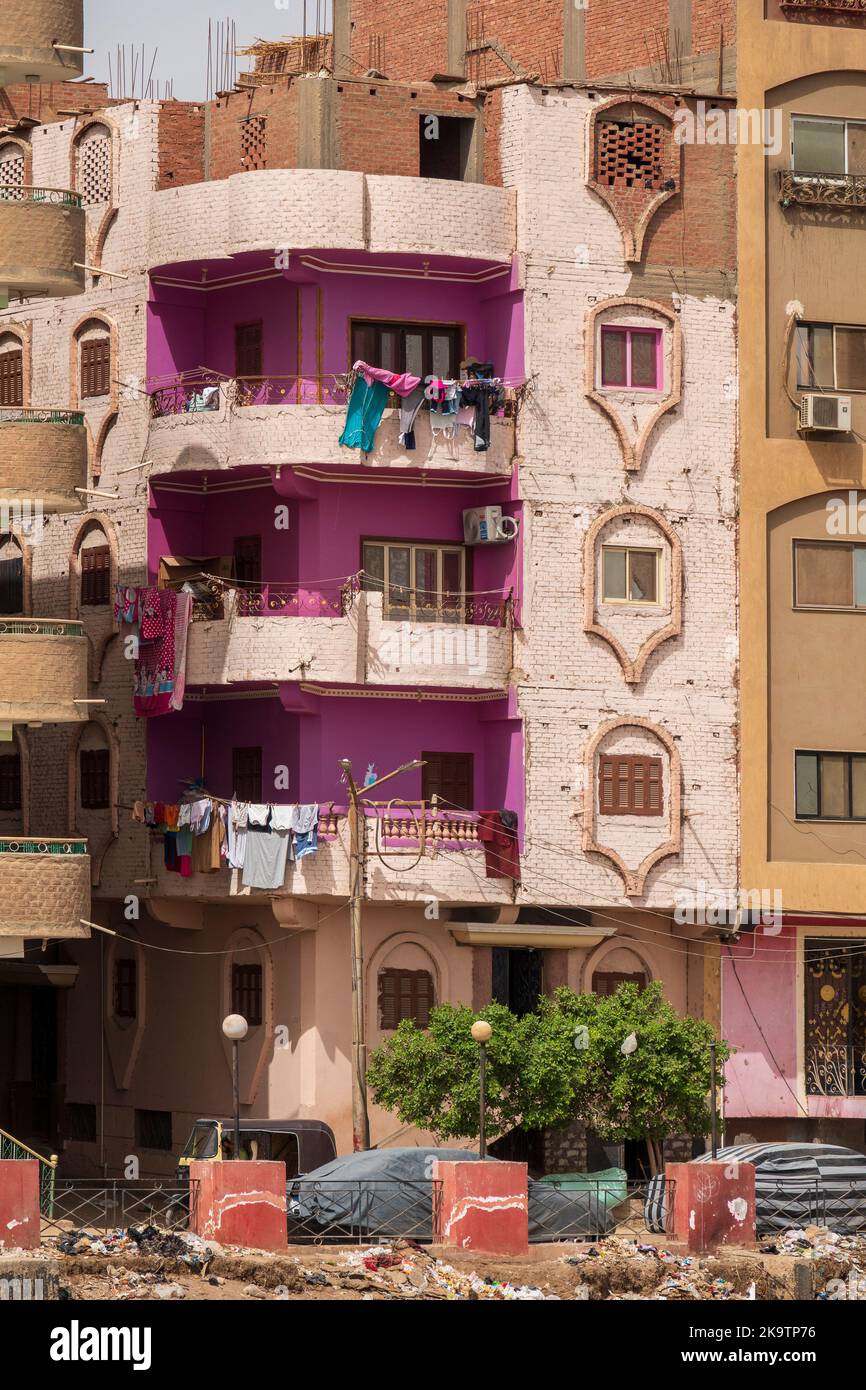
714,1129
235,1029
482,1033
357,850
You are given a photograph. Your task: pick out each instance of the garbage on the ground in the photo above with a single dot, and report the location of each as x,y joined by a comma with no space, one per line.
617,1268
406,1269
813,1243
180,1247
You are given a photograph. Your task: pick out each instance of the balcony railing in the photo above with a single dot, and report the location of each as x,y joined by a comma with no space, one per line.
40,627
24,193
835,1070
837,6
20,415
822,190
24,844
192,394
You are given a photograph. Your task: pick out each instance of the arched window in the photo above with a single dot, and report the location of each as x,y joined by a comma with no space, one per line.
93,172
95,570
11,576
11,370
95,361
12,166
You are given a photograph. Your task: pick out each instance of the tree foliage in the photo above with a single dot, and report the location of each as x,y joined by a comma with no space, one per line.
562,1062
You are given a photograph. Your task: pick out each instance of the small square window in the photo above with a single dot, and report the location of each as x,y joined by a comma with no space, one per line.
631,358
630,574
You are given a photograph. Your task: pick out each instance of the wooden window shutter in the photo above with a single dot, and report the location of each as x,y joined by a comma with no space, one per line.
94,768
96,367
10,782
405,994
247,774
248,349
96,575
606,785
629,785
12,378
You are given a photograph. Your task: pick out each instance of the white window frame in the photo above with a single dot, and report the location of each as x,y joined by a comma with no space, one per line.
814,120
658,551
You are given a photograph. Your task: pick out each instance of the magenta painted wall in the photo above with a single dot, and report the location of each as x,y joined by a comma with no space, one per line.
189,328
766,979
365,729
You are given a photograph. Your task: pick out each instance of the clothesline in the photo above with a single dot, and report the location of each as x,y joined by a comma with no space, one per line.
361,574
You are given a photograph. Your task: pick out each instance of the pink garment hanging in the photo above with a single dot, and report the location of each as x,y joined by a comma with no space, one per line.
403,384
160,670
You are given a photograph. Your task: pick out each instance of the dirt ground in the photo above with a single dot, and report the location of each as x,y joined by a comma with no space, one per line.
620,1267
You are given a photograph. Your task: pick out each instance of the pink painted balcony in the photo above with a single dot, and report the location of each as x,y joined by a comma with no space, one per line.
451,869
281,633
205,421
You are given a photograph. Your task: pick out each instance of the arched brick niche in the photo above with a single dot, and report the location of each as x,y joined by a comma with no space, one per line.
633,356
93,380
632,798
94,172
16,163
635,165
633,584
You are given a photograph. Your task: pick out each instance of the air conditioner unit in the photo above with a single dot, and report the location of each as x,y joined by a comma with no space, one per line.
819,411
487,526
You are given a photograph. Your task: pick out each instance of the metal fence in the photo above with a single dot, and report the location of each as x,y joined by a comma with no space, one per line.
589,1209
354,1211
97,1207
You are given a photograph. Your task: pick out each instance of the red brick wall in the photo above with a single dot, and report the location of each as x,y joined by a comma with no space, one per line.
619,37
44,102
181,144
379,124
279,106
415,39
698,227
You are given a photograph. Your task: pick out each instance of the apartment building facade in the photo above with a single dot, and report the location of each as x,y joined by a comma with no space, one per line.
580,673
799,1067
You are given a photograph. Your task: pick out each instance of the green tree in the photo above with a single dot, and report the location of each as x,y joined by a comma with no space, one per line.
562,1062
660,1088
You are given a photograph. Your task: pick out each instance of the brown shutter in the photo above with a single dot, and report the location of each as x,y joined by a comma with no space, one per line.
450,776
96,367
630,785
12,378
247,774
94,767
10,782
405,994
96,575
248,349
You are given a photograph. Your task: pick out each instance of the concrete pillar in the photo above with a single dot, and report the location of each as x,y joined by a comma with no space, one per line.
482,1207
456,38
239,1203
713,1204
342,36
574,39
19,1204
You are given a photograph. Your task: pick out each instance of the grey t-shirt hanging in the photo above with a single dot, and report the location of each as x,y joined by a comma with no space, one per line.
265,858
